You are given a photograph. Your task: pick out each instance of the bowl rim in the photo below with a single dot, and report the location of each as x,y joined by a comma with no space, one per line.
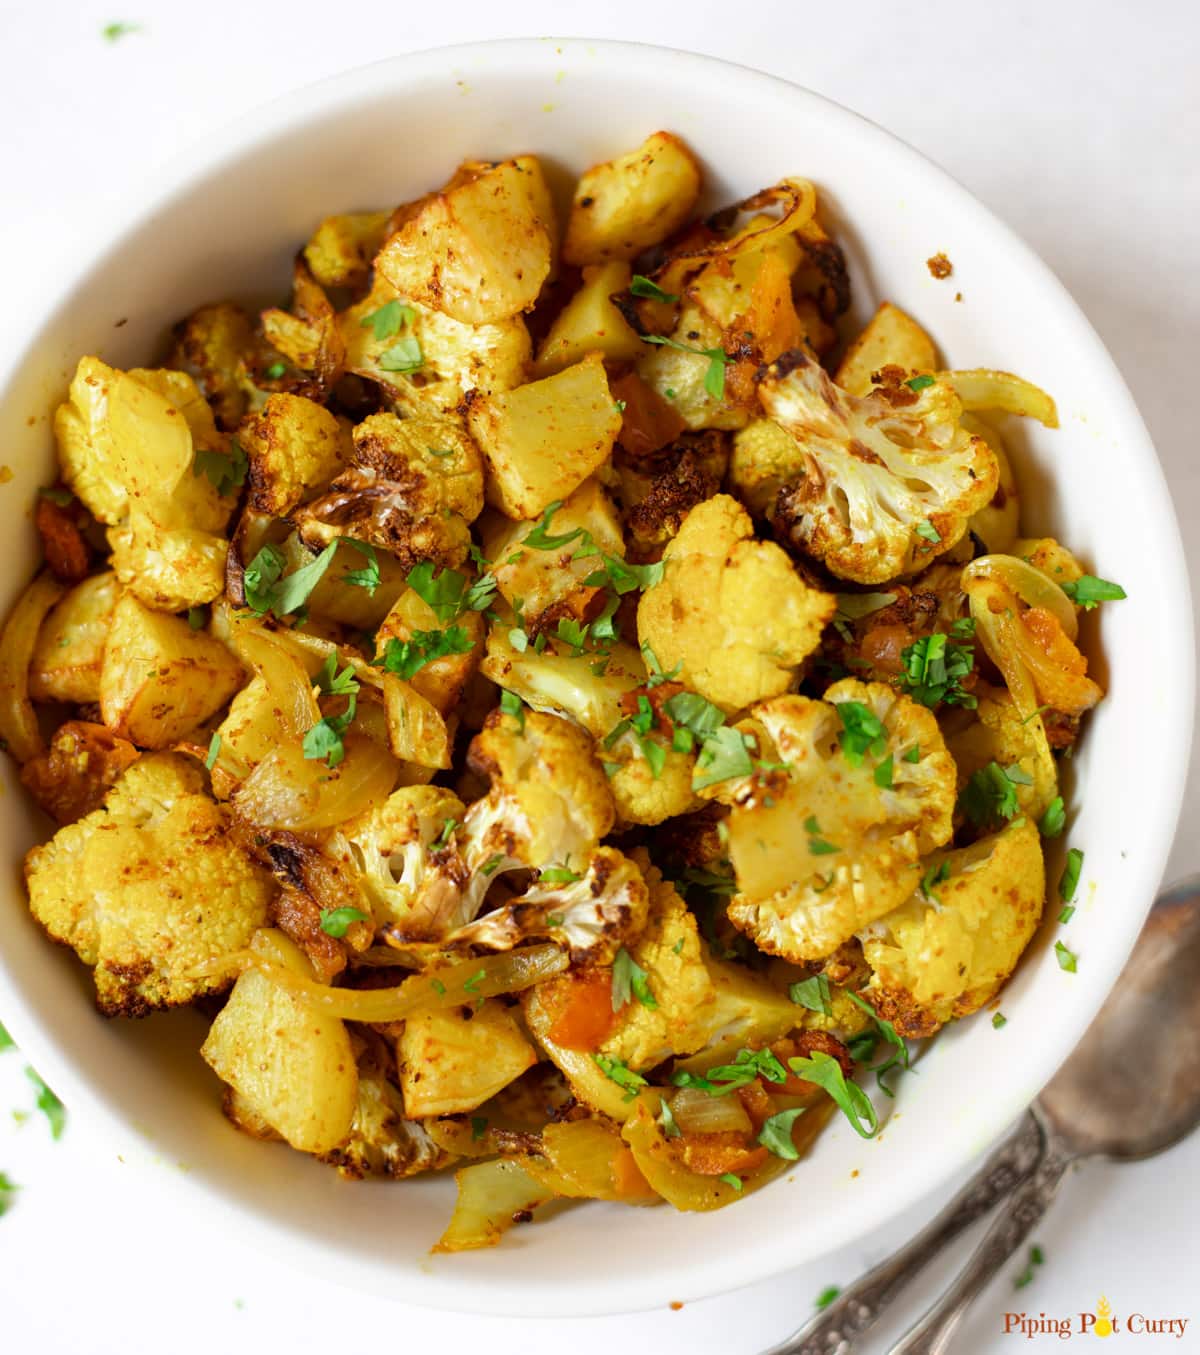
238,137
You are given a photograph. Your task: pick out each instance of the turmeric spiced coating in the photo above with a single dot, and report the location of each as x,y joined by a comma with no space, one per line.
563,702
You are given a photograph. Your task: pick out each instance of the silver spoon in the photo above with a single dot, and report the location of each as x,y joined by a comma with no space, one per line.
1125,1093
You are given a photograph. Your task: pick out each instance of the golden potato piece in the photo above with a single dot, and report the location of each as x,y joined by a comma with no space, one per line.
292,1067
295,447
623,206
477,251
891,338
160,678
70,645
590,322
544,439
452,1060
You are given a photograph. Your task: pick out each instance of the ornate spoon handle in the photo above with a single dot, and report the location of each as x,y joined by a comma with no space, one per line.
858,1308
932,1333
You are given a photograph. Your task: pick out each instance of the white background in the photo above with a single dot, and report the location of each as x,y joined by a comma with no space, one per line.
1076,122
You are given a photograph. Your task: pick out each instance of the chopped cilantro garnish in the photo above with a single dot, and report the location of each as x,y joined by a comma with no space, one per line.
1036,1257
812,993
928,531
884,772
275,371
197,618
1067,959
438,987
115,31
406,658
934,876
471,985
6,1040
826,1296
450,592
214,750
630,980
333,683
368,578
817,845
223,472
337,921
999,1021
989,799
934,669
862,732
449,827
492,864
1088,590
403,356
616,1070
623,577
49,1104
724,755
919,383
643,286
559,875
747,1065
899,1057
511,704
541,538
731,1179
714,377
666,1119
1066,913
1054,820
7,1191
854,1103
1070,876
268,589
478,1126
389,319
913,754
776,1133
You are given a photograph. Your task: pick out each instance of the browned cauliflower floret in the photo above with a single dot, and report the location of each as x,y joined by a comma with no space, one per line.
947,949
876,487
730,611
659,492
997,732
834,839
142,452
295,448
148,888
413,489
211,346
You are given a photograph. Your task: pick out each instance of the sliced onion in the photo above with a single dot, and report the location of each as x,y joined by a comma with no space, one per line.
589,1160
453,986
288,790
1034,588
698,1113
982,388
18,720
289,685
491,1197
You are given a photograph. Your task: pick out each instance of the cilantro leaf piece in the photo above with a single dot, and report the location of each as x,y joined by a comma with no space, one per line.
471,985
114,32
1067,913
49,1104
919,383
731,1179
337,921
913,754
831,1291
478,1127
616,1070
629,979
887,1030
862,732
406,658
225,473
714,377
885,772
268,589
214,751
643,286
389,319
623,577
1087,591
933,669
999,1021
511,704
197,618
723,755
1054,820
1067,959
8,1190
6,1040
817,845
541,538
449,827
445,592
404,356
776,1133
928,531
934,876
275,371
1070,876
988,799
333,683
813,994
747,1065
324,739
559,875
666,1119
368,578
695,714
824,1070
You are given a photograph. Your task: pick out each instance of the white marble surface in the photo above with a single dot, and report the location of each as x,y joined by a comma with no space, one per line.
1077,122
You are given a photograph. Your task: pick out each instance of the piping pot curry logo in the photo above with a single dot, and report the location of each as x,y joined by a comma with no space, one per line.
1103,1322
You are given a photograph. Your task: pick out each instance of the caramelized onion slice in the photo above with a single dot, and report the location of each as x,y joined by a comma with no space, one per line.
288,790
18,720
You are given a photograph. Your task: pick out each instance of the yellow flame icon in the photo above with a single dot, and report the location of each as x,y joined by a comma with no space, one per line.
1103,1326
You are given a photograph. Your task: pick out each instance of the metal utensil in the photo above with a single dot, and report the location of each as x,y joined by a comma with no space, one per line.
1125,1093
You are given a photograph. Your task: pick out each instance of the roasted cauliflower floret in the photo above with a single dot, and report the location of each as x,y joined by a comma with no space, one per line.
834,840
549,802
671,953
413,488
643,793
730,611
659,493
142,452
295,448
148,888
211,346
946,950
879,486
591,915
383,1140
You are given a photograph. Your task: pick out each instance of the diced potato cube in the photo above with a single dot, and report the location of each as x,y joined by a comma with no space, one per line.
292,1067
342,248
478,250
70,645
452,1060
416,731
589,323
625,205
295,447
890,338
160,678
542,578
544,439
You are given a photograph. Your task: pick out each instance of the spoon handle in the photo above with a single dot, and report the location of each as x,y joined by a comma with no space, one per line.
933,1332
836,1330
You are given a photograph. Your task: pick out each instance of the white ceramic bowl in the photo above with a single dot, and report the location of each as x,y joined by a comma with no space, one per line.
225,222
